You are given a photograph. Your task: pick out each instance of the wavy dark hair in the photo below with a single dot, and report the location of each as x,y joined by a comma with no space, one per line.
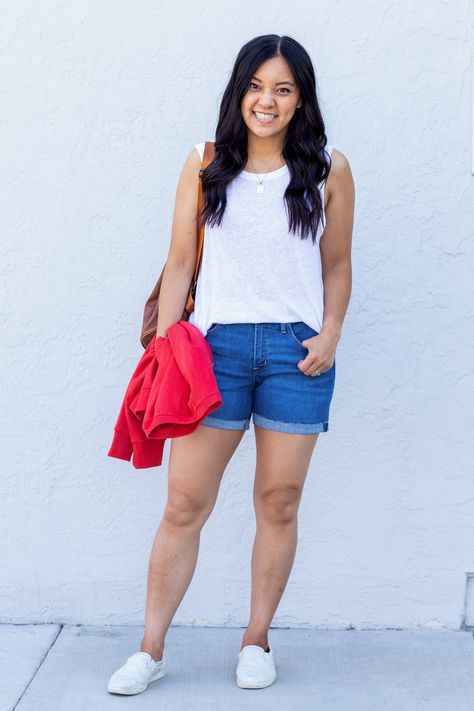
304,145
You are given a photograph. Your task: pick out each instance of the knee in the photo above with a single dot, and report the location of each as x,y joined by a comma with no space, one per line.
184,509
278,504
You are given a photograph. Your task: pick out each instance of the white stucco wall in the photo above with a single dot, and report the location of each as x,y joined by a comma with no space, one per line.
101,104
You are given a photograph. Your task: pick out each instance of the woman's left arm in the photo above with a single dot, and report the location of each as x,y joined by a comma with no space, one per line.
335,246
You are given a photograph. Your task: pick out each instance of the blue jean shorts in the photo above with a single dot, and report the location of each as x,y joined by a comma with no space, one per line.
256,369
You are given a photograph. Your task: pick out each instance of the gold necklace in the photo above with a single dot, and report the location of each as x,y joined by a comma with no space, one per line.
260,185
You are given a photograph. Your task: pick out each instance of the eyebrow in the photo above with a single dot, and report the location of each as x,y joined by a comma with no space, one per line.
278,82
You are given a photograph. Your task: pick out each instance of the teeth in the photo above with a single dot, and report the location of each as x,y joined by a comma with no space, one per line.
259,115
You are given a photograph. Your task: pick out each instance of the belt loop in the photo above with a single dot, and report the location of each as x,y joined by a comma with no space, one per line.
282,327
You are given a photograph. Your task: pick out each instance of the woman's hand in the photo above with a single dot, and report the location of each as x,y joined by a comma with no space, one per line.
321,353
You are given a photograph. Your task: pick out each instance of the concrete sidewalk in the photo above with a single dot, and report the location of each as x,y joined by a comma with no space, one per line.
66,668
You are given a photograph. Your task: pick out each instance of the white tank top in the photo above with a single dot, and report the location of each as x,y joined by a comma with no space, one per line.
253,269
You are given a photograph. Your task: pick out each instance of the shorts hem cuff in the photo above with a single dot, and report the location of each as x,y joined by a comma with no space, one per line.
292,427
226,424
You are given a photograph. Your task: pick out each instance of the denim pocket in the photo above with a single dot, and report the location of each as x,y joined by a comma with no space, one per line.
300,331
213,327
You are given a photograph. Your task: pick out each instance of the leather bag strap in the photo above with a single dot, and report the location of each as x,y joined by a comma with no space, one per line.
208,157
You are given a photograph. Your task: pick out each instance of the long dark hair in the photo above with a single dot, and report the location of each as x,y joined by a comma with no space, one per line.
304,145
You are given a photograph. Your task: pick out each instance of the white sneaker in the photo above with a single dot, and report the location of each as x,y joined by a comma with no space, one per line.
256,668
139,670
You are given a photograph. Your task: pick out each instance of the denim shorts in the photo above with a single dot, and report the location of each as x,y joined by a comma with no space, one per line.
256,369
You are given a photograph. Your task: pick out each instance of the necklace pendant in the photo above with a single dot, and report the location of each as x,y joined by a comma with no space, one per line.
260,187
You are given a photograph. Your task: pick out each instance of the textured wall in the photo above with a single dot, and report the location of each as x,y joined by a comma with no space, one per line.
101,104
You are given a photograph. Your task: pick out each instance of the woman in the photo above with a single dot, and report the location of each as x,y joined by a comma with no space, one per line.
272,293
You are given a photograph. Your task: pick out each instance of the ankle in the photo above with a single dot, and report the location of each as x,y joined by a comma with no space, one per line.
156,653
259,641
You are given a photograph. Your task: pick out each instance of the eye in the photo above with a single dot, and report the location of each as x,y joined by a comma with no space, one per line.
283,89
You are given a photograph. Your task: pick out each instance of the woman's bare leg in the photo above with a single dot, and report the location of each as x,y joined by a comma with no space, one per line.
282,464
196,465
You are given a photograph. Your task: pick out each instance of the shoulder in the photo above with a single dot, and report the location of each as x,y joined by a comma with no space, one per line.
199,148
195,154
194,158
339,163
192,162
340,174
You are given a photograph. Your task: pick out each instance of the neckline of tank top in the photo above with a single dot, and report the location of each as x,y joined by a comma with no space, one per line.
269,176
274,173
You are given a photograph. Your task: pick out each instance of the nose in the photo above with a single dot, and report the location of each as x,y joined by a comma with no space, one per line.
266,100
268,105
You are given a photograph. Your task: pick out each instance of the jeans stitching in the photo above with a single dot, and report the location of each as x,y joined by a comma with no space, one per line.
292,333
213,328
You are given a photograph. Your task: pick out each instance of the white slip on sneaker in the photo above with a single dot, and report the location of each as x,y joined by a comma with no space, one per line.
138,671
256,668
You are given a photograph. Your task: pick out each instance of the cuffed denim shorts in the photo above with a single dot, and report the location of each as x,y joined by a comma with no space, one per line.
256,369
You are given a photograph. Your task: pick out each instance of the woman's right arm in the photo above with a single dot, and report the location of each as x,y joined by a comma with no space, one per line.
181,260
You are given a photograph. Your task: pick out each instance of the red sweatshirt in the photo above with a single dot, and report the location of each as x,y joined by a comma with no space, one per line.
171,391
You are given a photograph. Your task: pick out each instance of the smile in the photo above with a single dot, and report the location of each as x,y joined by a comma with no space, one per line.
264,118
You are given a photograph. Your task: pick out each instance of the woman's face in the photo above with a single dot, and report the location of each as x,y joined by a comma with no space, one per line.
272,90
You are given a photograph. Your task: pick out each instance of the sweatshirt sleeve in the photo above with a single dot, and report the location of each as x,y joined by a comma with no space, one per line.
121,447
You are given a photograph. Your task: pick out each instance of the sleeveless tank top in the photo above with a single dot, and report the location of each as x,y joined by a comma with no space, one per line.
253,270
